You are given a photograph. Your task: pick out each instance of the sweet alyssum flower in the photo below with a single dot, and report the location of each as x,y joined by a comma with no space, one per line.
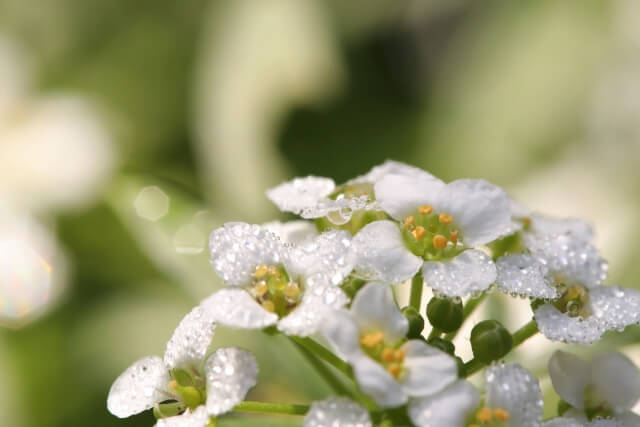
337,412
439,227
371,337
513,399
200,384
606,387
568,271
269,282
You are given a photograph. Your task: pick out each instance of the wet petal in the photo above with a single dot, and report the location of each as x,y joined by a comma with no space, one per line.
563,422
557,326
615,307
231,373
544,224
317,303
400,195
451,407
191,339
516,390
382,255
197,418
570,376
342,333
139,388
375,309
300,194
471,271
236,308
429,369
337,412
238,248
391,167
377,383
330,254
616,379
292,232
524,275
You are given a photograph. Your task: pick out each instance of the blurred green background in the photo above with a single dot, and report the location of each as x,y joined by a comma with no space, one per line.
203,105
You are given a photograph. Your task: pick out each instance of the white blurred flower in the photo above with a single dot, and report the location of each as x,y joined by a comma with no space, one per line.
370,336
337,412
270,282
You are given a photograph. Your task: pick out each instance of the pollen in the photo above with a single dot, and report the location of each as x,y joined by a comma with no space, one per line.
269,306
439,241
395,369
372,339
261,288
261,271
484,415
425,209
445,218
173,385
453,236
292,290
418,232
408,221
398,355
387,355
501,414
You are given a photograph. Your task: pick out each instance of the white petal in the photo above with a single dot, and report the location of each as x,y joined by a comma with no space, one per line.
616,379
300,194
429,369
570,376
342,333
449,408
330,254
377,383
481,210
516,390
608,422
400,195
292,232
615,307
382,255
231,373
557,326
375,310
191,339
471,271
197,418
317,303
238,248
337,412
236,308
628,419
390,167
138,388
543,224
524,275
563,422
571,256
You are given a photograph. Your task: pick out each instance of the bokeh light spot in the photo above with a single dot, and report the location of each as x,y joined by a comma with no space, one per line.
152,203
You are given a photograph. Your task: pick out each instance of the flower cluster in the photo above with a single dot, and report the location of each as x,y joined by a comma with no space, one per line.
335,279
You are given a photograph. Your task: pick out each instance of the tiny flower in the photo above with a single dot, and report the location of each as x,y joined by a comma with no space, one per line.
513,399
337,412
203,385
439,225
269,282
371,337
607,387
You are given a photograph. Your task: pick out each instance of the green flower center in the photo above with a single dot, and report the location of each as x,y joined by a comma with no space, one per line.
574,298
346,219
389,356
490,417
431,235
272,288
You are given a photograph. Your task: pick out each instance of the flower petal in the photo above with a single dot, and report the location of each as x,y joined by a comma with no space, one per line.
300,194
337,412
138,388
230,373
570,376
524,275
341,331
390,167
563,422
557,326
292,232
197,418
544,224
330,254
429,369
238,248
375,310
516,390
235,308
450,408
616,379
191,339
382,255
400,195
615,307
377,383
471,271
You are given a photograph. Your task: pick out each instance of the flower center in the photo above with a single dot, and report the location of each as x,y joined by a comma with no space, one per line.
389,356
574,298
272,288
348,218
431,235
352,191
488,417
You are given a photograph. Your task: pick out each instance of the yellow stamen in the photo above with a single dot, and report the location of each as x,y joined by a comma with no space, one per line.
501,414
269,306
261,271
484,415
372,339
292,290
261,288
274,271
439,241
398,355
410,220
173,385
418,232
445,218
425,209
395,369
387,355
453,236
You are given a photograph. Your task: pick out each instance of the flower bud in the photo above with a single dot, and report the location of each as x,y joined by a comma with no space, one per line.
444,345
352,285
490,341
416,322
445,314
190,396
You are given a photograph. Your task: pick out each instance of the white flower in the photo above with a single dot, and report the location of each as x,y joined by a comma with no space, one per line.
337,412
513,399
439,225
187,374
576,422
316,197
608,386
269,282
371,337
292,232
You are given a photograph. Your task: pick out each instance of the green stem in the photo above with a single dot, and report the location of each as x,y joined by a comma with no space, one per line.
519,336
324,371
468,309
324,354
415,297
271,408
435,333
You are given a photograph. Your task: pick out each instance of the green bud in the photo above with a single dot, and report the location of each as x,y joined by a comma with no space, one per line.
490,341
190,396
442,344
445,314
461,368
352,285
416,322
